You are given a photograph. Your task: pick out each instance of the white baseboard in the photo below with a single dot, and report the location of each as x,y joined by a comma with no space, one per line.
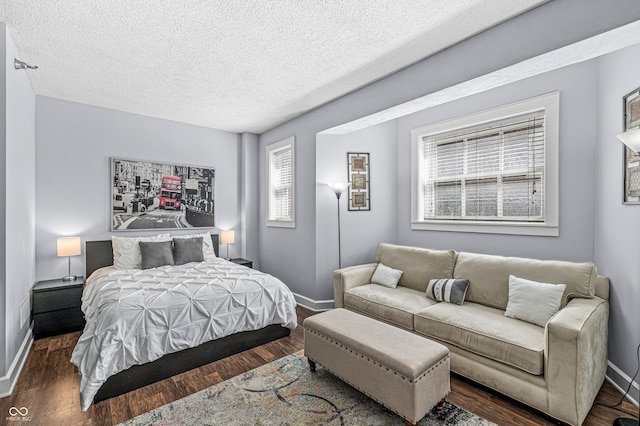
8,382
314,305
621,381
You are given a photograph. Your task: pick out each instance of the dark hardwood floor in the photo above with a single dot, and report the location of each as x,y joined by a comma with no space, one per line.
49,383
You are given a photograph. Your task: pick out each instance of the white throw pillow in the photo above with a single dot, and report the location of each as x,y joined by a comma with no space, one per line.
386,276
207,245
126,250
532,301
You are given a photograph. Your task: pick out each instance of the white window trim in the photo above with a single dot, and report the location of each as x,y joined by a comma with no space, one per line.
277,146
551,105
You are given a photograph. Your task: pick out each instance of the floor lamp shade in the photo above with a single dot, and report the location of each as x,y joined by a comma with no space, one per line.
631,138
68,246
228,237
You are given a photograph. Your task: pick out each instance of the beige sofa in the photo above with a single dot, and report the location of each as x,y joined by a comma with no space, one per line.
557,369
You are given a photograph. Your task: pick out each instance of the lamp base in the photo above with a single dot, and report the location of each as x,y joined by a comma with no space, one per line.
70,278
620,421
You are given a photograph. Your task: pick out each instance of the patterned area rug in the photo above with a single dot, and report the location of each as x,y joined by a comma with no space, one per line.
285,392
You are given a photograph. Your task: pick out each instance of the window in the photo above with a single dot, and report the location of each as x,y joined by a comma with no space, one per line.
280,156
495,171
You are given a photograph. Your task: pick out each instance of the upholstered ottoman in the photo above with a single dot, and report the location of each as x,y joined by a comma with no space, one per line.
406,373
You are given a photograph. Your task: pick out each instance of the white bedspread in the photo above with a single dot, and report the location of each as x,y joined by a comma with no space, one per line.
136,316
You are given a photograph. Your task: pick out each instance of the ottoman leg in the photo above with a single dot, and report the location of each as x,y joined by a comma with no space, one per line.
439,406
408,423
312,365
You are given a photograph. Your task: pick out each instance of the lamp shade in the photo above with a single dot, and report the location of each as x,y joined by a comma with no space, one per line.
631,138
339,187
228,237
69,246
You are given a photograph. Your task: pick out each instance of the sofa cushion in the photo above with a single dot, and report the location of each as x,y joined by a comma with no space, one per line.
393,305
419,265
485,331
488,276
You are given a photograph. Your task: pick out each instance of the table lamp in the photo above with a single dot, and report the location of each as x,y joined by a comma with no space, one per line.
69,246
228,237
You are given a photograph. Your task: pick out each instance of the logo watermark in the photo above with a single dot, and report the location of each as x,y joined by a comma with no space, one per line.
18,414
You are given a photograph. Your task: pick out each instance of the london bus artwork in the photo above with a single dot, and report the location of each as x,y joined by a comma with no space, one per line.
154,195
170,192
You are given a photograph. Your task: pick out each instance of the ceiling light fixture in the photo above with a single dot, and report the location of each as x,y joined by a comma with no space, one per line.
23,65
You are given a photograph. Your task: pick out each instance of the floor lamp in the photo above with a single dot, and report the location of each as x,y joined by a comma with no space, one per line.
631,138
338,188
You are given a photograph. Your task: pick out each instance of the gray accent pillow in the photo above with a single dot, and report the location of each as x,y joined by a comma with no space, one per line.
155,254
187,250
448,290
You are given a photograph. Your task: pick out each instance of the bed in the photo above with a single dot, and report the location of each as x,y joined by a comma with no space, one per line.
145,325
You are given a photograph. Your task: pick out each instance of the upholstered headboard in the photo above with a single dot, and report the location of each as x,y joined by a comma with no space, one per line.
100,253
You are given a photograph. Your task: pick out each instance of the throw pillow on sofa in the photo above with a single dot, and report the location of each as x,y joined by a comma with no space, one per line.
448,290
386,276
532,301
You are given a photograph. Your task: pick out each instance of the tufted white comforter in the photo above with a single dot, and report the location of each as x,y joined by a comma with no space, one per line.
136,316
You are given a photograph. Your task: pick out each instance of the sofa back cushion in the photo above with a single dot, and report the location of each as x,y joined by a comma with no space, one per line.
419,265
488,276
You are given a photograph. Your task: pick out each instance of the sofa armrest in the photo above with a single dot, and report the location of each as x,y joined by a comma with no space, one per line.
576,357
352,276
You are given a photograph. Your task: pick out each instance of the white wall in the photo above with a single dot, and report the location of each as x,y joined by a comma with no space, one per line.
576,164
74,145
19,200
617,231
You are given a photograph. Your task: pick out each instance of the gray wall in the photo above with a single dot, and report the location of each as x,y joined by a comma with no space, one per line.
299,256
18,194
291,253
361,231
577,140
4,37
74,145
617,234
247,198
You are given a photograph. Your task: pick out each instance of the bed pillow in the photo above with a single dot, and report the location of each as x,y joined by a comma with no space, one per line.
386,276
448,290
207,244
187,250
156,253
532,301
126,250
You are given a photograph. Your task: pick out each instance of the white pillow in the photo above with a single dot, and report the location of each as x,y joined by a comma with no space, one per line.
126,250
386,276
532,301
207,245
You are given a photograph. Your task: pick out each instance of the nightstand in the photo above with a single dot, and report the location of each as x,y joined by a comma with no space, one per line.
243,262
55,307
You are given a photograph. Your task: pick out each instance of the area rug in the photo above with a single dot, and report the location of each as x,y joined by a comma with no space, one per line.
285,392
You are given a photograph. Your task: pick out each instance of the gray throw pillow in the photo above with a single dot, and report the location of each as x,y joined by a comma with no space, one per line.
448,290
187,250
155,254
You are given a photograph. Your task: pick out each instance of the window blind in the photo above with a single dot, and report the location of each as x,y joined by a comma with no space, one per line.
488,172
282,184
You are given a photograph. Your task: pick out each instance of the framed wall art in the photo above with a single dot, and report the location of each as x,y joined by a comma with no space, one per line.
631,110
148,195
360,188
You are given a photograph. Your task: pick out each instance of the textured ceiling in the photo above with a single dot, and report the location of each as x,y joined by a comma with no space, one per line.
240,66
